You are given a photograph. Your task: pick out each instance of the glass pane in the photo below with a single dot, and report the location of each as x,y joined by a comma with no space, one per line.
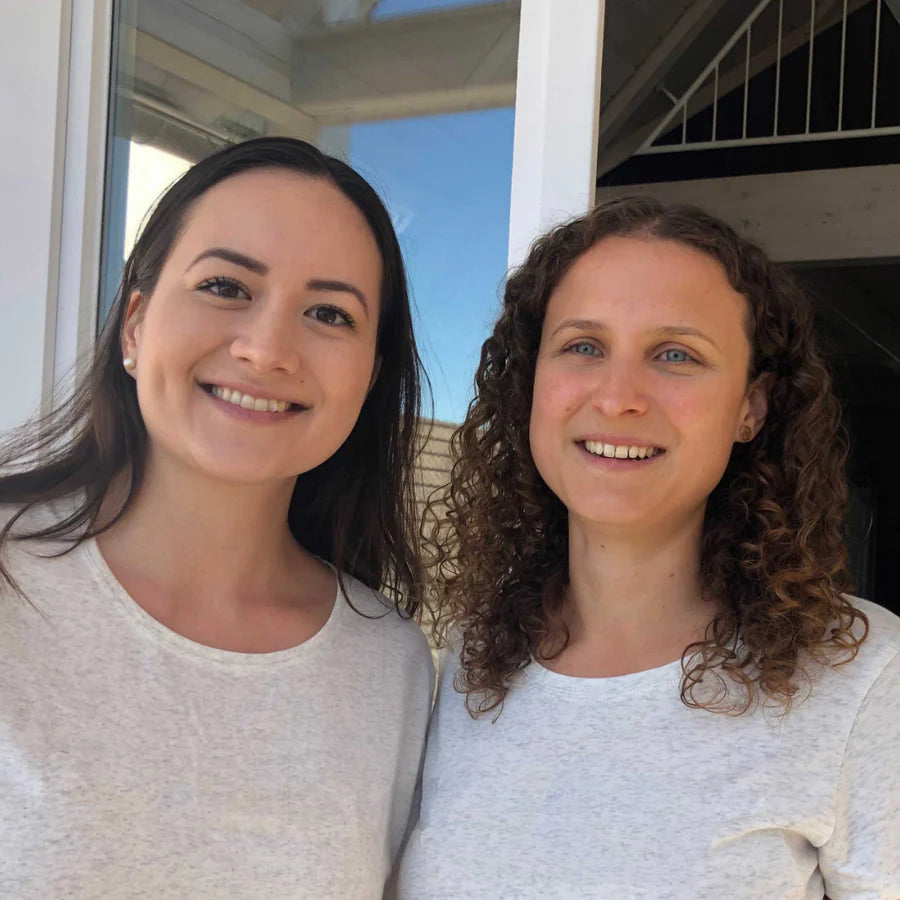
415,94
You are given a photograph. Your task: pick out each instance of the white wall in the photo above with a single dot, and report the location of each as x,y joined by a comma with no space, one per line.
34,42
828,214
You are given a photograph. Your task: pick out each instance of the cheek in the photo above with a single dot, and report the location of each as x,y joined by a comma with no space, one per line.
555,397
346,369
706,422
174,331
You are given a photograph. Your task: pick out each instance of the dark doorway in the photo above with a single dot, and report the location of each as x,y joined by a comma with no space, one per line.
858,313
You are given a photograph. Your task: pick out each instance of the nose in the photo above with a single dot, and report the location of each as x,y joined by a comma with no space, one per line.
620,389
268,340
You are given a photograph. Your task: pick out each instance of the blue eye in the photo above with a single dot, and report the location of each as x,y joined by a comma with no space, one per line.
674,355
583,348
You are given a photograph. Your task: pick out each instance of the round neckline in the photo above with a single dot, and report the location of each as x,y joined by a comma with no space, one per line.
185,645
602,686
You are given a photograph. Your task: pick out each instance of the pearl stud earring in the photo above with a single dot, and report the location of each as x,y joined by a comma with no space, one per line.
129,363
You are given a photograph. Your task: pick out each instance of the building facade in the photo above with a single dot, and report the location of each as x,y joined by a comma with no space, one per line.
783,116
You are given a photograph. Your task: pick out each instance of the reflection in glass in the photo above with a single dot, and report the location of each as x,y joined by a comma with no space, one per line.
416,94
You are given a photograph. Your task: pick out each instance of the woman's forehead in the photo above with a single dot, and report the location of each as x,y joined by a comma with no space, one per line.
633,281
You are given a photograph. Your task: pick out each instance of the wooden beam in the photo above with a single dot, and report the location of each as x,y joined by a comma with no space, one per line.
829,14
894,7
653,69
820,215
224,86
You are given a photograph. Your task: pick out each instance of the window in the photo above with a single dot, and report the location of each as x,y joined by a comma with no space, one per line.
415,94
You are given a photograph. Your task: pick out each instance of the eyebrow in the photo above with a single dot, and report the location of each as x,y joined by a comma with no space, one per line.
232,256
260,268
686,331
668,331
341,287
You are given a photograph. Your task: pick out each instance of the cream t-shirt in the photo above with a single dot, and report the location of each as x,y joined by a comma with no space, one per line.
611,788
135,763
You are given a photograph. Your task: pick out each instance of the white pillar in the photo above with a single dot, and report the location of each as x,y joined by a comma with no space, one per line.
557,111
53,89
34,48
83,184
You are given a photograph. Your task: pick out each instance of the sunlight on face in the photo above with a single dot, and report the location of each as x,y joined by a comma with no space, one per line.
641,384
257,348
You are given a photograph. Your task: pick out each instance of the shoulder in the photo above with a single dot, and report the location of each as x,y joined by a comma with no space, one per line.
376,620
24,541
42,515
9,513
881,645
873,674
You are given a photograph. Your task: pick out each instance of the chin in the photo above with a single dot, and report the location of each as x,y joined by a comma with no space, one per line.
240,469
613,515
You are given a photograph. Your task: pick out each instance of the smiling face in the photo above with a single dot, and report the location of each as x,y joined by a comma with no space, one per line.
257,348
641,385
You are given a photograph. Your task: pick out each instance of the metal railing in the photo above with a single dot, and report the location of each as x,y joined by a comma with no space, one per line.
744,33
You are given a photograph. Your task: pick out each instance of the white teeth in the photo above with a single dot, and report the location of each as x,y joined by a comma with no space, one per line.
246,401
620,451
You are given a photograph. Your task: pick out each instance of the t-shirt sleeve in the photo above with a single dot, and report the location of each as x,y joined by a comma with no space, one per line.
861,859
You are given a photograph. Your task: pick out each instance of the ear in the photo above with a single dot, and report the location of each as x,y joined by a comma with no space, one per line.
756,407
131,329
376,368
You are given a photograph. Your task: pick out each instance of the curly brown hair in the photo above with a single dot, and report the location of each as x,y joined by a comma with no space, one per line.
772,558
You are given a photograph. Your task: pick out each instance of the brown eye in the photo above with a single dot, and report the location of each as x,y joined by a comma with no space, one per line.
226,288
331,315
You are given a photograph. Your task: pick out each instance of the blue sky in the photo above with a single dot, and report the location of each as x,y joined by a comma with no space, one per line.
446,181
387,8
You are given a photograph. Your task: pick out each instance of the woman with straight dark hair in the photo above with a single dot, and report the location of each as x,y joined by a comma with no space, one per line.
667,692
202,694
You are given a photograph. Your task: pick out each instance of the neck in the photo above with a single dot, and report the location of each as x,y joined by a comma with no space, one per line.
207,537
633,601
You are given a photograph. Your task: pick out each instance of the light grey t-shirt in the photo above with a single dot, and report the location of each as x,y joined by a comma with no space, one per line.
611,788
135,763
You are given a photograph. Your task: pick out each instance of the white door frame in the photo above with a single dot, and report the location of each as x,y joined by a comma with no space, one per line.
557,114
53,89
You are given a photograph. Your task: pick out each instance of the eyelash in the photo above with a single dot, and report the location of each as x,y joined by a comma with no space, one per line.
216,284
220,281
349,321
689,358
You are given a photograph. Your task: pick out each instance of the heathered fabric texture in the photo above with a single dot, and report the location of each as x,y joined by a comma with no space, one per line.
612,788
135,763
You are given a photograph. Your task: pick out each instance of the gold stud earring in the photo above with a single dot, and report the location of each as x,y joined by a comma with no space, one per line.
129,363
745,433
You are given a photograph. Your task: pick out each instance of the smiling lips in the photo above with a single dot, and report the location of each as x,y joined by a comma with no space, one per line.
247,401
621,451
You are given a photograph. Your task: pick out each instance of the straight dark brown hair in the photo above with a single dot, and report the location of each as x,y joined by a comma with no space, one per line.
356,509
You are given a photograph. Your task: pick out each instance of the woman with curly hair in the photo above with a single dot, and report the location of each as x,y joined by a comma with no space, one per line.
667,691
